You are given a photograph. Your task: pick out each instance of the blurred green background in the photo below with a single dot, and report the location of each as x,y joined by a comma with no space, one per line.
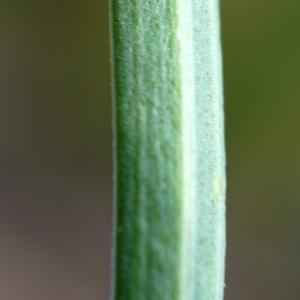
55,149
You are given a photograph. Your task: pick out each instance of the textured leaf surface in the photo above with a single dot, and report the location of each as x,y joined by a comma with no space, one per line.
170,182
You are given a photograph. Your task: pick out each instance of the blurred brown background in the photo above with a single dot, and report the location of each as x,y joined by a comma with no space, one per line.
55,149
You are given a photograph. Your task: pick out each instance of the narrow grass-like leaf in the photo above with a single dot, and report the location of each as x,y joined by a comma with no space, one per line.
169,150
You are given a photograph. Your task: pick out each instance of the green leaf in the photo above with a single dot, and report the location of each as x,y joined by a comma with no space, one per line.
169,150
